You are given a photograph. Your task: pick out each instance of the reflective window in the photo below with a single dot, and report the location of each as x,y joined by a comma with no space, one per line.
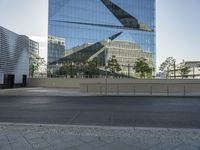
74,23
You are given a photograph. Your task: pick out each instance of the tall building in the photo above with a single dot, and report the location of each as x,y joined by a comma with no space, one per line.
94,21
56,48
33,52
36,63
33,47
14,59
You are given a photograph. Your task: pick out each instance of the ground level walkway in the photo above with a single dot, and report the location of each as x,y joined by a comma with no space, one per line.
40,91
44,91
29,119
64,137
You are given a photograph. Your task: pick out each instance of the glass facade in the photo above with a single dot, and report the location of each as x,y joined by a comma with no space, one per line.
56,48
82,22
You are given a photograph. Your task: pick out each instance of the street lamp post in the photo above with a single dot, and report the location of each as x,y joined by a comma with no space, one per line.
193,70
128,70
174,69
106,80
106,61
71,69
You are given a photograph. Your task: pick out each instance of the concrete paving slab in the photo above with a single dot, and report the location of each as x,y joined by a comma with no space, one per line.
44,91
68,137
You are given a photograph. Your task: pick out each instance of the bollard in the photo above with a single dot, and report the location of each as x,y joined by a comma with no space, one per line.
184,91
167,90
117,89
100,89
87,88
134,90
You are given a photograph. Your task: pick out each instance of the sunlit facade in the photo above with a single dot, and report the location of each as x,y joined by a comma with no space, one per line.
79,22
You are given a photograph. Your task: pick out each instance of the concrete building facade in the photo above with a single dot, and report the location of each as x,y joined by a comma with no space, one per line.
14,59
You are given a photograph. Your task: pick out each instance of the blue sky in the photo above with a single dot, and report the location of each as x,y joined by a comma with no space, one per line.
178,25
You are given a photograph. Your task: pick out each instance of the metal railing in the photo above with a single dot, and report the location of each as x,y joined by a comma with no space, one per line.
141,89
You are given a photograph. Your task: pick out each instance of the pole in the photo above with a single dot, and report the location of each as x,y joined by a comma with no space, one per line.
106,60
174,69
71,70
106,82
193,72
128,70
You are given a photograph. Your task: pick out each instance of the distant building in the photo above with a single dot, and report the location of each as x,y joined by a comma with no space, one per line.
33,47
14,59
56,48
33,52
194,70
126,54
160,75
35,59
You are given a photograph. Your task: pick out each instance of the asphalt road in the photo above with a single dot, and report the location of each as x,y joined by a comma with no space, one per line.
173,112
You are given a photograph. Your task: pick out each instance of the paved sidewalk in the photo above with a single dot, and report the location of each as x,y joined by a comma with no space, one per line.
58,137
42,91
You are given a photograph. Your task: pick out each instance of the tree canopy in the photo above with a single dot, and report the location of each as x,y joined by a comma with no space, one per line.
167,65
113,65
142,67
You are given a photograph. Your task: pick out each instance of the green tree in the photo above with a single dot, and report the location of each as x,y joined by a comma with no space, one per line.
198,66
91,68
167,65
64,69
113,65
80,65
35,64
142,67
67,69
32,69
184,69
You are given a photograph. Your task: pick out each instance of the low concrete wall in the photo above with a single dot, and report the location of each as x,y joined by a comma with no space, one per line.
123,86
59,82
145,87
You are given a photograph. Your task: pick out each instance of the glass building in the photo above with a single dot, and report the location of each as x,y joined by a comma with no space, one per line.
56,48
33,47
87,22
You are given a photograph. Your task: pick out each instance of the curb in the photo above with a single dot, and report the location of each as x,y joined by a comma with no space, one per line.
100,127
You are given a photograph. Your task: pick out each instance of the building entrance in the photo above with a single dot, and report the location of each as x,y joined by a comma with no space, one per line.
24,80
9,81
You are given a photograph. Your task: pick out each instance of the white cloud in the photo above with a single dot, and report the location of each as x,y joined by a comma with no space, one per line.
39,39
42,48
